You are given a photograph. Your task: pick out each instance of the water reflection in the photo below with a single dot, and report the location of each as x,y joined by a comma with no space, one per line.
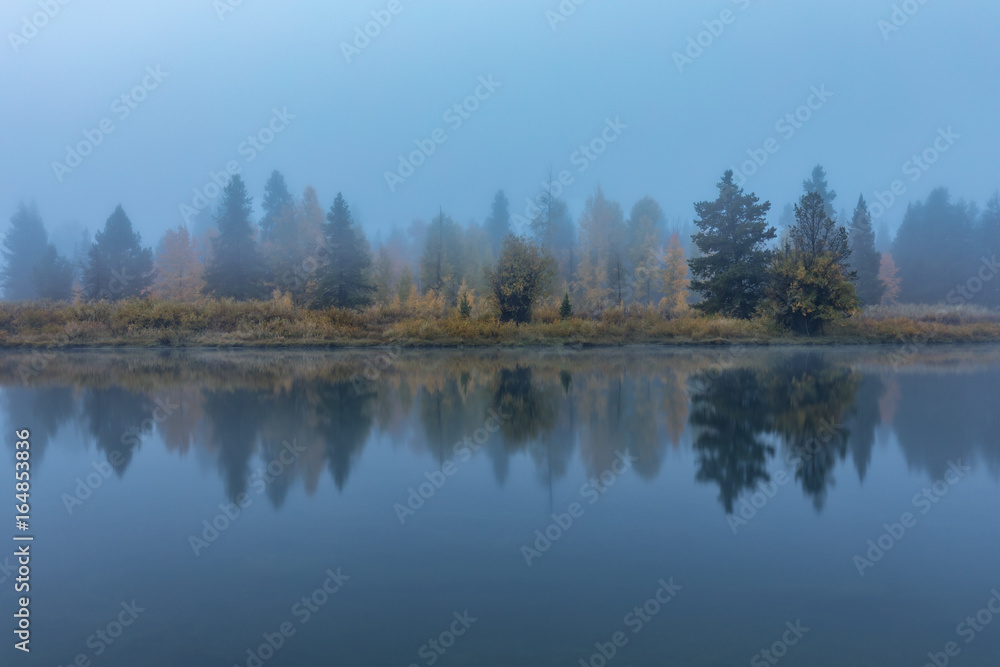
742,415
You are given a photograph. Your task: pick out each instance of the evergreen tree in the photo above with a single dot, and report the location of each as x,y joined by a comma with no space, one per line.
277,204
53,276
731,273
344,281
498,223
810,283
989,241
565,308
236,269
936,249
815,233
25,245
817,184
118,267
866,261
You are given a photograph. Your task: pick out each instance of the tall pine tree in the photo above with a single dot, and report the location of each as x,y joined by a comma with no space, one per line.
24,246
731,273
810,283
53,276
118,267
817,184
865,259
277,204
345,280
236,269
498,223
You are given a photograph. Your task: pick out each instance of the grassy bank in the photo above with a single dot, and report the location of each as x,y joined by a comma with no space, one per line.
277,323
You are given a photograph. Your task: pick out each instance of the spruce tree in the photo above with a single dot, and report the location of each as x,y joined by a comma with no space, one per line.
565,308
118,267
865,259
498,223
344,281
236,269
810,282
53,276
817,184
277,204
731,273
24,246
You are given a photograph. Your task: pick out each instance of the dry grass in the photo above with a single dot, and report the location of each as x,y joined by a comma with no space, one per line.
278,323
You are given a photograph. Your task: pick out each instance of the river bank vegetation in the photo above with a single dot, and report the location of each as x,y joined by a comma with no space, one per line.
298,276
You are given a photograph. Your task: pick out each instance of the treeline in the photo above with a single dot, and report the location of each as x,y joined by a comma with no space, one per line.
813,266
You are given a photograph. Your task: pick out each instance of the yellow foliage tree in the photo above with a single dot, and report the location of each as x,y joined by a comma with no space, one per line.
674,279
178,270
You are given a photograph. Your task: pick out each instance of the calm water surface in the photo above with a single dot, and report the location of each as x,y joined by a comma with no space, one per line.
689,507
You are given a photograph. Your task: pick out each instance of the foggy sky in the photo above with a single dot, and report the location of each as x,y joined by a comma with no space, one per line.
891,94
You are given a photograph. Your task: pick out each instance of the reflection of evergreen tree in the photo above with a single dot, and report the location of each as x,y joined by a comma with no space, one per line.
811,400
116,417
235,417
945,417
863,423
730,413
803,400
42,410
345,422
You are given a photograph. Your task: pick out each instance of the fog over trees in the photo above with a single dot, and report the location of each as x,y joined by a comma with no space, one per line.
820,267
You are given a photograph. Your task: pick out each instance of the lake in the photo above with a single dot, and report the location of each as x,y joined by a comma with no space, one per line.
644,506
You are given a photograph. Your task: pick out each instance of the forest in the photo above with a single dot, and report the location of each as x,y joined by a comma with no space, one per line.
302,272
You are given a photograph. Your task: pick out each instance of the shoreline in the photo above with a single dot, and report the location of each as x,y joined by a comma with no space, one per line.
150,324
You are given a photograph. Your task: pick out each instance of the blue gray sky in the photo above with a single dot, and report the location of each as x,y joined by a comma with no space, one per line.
891,89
